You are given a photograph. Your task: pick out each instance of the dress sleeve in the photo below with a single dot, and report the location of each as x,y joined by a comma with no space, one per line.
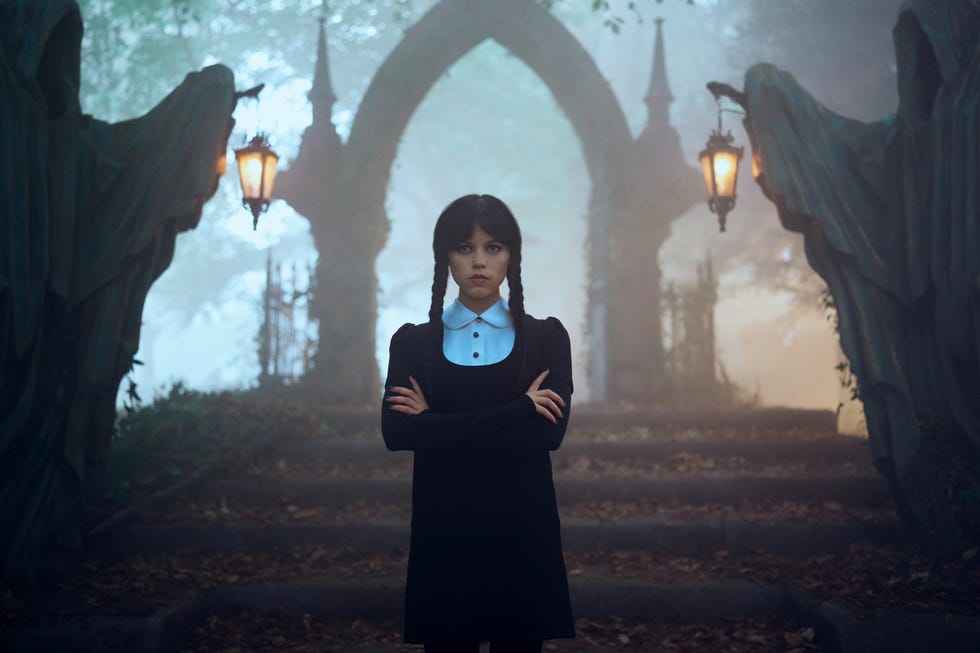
439,431
534,432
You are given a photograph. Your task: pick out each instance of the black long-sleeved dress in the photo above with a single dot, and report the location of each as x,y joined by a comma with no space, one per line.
485,560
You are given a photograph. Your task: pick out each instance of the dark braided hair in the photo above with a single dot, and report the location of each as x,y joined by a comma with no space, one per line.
456,223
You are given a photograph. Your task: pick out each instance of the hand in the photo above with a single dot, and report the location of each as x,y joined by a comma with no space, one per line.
546,401
410,401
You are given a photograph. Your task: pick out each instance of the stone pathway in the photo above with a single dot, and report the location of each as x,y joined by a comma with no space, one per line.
682,533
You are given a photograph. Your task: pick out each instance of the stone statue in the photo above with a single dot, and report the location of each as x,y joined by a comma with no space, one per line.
890,213
89,212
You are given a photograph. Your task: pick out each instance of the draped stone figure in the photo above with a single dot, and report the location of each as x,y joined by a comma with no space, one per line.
89,213
890,213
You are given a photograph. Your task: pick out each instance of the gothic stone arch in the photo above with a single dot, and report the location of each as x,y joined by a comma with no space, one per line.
356,223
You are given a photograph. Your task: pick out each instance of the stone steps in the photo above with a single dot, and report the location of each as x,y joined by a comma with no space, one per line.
670,538
171,627
197,558
727,489
353,422
832,449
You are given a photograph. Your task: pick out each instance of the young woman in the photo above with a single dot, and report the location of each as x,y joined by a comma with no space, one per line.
481,393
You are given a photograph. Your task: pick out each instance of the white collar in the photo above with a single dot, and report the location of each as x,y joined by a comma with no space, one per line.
458,316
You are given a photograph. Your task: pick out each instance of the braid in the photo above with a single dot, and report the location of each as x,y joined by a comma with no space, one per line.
440,277
516,302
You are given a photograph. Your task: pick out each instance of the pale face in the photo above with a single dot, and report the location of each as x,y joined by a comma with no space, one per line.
479,266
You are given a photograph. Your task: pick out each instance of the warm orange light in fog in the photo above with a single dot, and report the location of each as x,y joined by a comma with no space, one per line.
257,172
719,165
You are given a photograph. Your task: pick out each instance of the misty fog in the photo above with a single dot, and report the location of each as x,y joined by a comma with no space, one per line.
491,126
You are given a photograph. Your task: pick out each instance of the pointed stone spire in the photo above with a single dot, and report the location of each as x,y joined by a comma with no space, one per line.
321,94
320,158
658,96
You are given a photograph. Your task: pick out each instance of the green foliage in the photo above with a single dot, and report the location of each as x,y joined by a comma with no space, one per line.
186,431
830,308
156,444
685,393
612,20
848,380
134,52
133,399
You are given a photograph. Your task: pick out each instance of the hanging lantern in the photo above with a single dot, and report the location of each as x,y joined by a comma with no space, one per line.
719,164
257,171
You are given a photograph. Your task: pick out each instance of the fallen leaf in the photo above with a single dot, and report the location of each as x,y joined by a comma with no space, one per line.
793,639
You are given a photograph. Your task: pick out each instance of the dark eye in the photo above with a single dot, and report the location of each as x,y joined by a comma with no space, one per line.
463,248
495,248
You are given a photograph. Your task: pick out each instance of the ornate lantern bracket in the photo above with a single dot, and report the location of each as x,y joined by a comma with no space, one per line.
719,164
720,158
256,169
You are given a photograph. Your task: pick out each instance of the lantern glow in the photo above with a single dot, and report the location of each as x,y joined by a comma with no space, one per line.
719,165
257,172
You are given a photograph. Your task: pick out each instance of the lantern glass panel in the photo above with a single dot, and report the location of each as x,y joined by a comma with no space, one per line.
726,170
269,175
709,185
250,172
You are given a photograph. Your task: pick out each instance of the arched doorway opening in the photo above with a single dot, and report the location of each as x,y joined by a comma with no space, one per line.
490,125
357,229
